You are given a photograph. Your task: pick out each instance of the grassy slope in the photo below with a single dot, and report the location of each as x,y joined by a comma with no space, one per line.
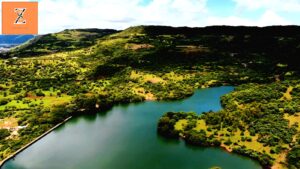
79,69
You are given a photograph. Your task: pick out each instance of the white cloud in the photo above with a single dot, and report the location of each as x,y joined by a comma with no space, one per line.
231,20
55,15
271,18
274,5
173,12
268,18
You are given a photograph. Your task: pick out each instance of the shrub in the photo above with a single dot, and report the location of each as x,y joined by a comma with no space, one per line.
4,133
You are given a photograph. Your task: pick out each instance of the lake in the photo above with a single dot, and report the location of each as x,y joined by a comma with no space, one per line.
125,137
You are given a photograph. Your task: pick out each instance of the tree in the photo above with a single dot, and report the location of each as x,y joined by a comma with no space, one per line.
4,133
3,102
293,158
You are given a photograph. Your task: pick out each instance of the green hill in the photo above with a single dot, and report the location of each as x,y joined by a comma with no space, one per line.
81,71
66,40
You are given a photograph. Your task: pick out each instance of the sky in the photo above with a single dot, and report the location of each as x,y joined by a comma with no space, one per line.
57,15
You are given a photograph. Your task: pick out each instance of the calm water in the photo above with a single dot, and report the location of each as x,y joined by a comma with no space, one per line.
125,138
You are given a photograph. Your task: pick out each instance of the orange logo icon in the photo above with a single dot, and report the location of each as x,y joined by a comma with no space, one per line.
19,18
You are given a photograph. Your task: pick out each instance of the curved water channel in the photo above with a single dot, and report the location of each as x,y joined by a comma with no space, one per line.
125,137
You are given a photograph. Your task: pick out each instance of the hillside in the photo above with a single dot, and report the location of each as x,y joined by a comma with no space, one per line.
62,41
81,71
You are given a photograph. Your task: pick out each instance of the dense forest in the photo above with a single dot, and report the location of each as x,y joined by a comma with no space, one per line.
55,76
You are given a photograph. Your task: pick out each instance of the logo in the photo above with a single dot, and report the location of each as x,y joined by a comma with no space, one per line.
20,12
19,18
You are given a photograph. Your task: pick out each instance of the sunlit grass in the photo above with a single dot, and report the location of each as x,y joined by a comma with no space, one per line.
181,124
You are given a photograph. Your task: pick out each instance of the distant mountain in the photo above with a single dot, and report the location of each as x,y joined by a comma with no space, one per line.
66,40
13,40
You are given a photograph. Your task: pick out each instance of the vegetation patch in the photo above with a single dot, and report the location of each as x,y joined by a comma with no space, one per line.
260,129
8,123
138,46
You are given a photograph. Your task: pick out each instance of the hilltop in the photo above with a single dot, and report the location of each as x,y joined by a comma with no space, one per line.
276,42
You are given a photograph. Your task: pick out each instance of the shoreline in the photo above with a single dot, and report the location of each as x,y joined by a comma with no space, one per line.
223,147
58,125
32,142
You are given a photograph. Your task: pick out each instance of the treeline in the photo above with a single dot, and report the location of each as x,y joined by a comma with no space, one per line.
202,138
217,30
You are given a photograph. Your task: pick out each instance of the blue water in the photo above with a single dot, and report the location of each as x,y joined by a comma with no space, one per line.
125,137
